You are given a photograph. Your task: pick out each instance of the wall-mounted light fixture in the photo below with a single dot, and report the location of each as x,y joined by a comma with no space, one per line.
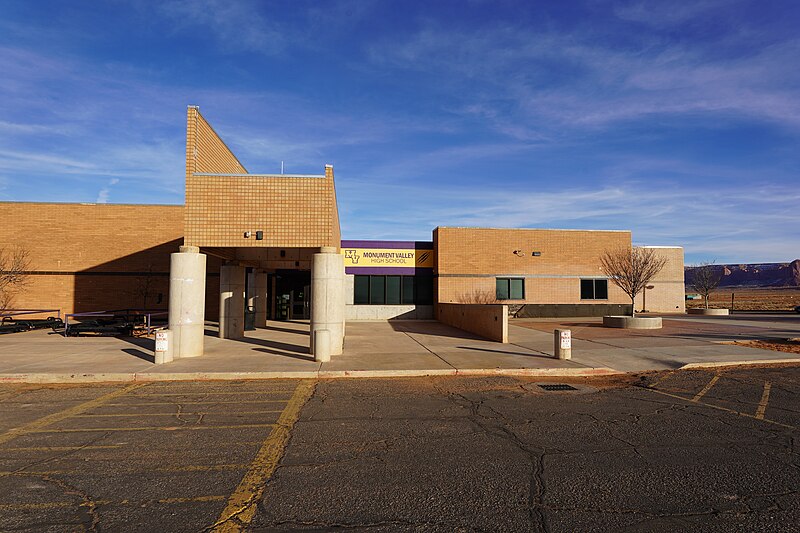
259,235
536,254
519,253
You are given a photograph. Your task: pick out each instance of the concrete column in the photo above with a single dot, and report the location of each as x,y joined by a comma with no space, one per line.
187,301
231,302
327,297
261,298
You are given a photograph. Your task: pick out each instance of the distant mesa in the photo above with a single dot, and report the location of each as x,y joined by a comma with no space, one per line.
756,275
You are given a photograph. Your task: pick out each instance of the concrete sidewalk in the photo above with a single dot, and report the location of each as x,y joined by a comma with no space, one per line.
375,349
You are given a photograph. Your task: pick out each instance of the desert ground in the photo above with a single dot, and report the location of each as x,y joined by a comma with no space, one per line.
747,299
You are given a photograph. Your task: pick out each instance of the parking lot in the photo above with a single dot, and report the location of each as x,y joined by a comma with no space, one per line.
669,451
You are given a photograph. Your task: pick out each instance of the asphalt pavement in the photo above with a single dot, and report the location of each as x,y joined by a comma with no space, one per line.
699,450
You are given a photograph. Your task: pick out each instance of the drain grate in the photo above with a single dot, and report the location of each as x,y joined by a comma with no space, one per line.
557,386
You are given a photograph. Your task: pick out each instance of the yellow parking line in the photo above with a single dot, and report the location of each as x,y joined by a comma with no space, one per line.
719,407
241,507
43,422
762,405
705,389
111,415
150,428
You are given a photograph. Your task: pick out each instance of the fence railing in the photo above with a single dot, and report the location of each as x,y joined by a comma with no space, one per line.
17,312
146,313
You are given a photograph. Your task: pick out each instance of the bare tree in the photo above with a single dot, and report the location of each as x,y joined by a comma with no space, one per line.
144,285
705,277
478,297
631,269
14,265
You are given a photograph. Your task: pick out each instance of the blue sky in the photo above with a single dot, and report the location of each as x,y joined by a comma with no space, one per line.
677,120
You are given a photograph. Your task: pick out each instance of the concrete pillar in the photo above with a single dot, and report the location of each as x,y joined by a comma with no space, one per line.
261,298
187,301
231,302
327,297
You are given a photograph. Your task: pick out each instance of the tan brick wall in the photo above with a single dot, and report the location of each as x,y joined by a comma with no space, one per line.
86,257
205,151
469,260
292,211
668,294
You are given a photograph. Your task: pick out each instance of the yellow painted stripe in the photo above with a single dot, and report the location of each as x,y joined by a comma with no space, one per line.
762,405
720,408
145,404
661,379
140,503
228,414
38,425
705,389
242,504
151,428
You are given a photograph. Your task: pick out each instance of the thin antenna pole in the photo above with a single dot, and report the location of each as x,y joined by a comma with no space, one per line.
281,168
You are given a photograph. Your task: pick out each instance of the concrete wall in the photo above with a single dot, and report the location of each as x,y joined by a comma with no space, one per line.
668,294
469,259
388,312
488,321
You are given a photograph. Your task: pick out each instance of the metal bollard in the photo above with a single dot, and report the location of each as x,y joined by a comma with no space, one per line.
163,354
562,344
322,345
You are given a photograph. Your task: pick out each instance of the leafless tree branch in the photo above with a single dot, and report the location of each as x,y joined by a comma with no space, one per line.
14,266
631,269
704,278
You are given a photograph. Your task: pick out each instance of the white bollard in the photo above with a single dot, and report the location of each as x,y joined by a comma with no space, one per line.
163,352
562,344
322,345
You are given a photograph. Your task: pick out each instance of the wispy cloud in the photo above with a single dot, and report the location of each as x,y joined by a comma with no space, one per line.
236,26
583,78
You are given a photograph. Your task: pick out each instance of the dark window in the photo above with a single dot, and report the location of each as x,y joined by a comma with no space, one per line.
377,290
392,290
510,288
361,295
408,289
594,289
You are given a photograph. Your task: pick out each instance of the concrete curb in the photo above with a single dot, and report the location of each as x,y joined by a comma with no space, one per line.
321,374
752,362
